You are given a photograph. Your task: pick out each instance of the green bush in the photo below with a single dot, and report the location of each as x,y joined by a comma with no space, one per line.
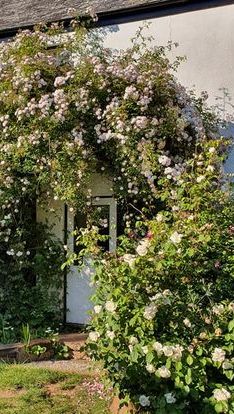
163,315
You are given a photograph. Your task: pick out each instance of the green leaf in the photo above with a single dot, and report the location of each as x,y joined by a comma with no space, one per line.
231,326
190,252
178,366
149,357
189,360
199,351
188,376
229,374
219,407
134,355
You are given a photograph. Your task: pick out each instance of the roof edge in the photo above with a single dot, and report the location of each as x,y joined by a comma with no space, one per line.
136,13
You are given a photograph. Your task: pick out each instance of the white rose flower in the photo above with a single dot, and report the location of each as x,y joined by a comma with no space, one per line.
187,323
161,144
210,168
218,309
231,306
129,259
177,352
221,394
164,160
218,355
150,368
168,350
212,150
163,372
133,340
150,311
93,336
170,398
227,365
144,401
142,247
110,306
19,254
200,178
145,349
110,335
176,237
159,217
97,309
158,348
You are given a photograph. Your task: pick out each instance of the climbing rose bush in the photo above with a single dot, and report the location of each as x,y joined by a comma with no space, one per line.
163,315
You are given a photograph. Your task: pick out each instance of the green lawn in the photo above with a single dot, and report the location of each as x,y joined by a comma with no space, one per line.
29,390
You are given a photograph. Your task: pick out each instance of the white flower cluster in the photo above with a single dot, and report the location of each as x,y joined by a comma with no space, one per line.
142,247
28,110
94,336
82,99
176,237
163,372
144,401
62,80
26,83
150,311
172,351
110,306
61,104
131,92
44,104
218,355
162,298
78,137
129,259
221,394
97,309
110,335
4,120
170,398
218,309
164,160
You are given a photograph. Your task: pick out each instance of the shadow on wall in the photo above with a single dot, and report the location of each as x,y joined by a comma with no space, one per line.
228,131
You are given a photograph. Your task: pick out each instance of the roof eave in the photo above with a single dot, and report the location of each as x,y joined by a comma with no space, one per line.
136,13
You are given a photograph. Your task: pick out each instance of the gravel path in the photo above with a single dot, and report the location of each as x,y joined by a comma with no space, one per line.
71,365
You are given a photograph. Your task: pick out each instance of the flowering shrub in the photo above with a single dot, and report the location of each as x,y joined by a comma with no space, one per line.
163,314
163,320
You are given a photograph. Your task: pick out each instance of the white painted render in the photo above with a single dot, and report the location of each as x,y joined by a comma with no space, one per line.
206,38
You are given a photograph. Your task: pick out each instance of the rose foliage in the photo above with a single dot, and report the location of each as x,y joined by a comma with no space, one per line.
163,315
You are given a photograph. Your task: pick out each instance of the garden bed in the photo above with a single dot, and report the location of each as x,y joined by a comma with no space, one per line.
22,353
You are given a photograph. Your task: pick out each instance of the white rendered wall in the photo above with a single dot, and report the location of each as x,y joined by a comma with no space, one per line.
206,38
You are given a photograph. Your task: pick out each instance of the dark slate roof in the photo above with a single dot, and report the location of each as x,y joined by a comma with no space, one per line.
24,13
15,14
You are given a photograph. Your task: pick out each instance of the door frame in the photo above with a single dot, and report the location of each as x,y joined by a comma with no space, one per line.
69,238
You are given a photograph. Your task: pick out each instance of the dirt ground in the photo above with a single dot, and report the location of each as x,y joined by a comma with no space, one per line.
79,362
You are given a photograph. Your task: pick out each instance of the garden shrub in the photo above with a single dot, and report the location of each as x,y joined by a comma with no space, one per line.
163,314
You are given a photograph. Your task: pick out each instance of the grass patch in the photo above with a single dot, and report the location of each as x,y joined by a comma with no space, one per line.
31,390
21,376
